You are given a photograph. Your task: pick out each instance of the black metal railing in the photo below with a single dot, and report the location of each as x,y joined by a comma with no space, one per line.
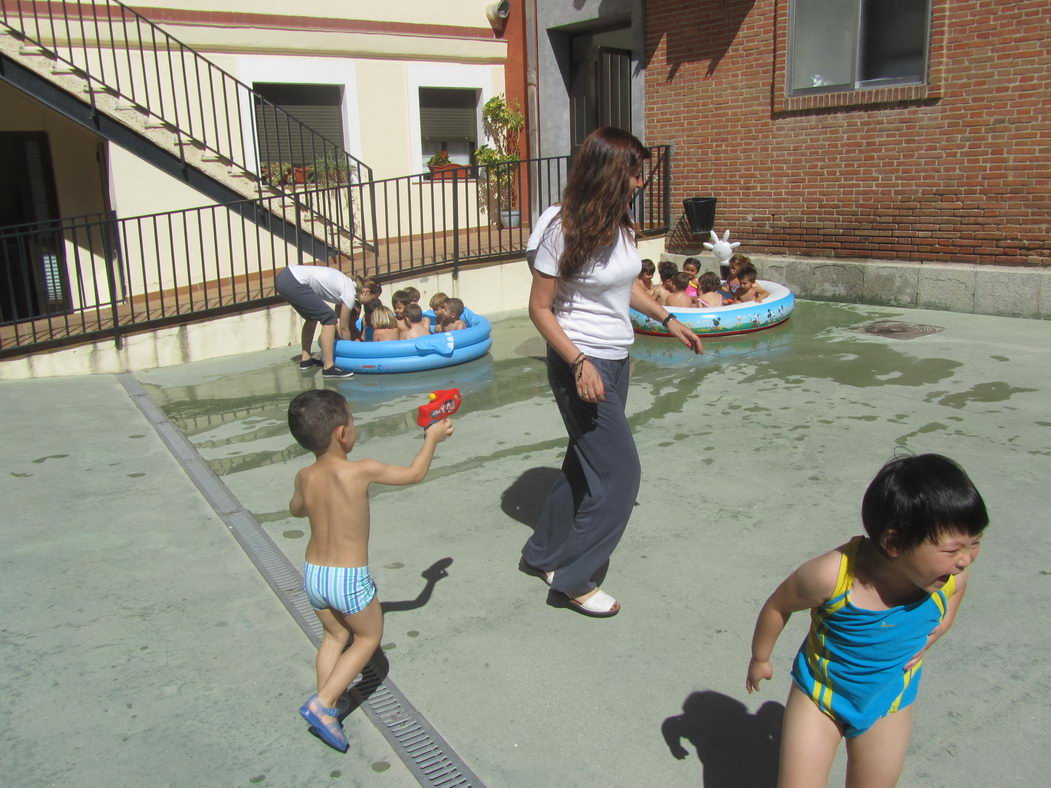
475,213
70,280
119,53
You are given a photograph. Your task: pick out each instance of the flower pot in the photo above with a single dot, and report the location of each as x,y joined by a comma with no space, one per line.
510,218
446,172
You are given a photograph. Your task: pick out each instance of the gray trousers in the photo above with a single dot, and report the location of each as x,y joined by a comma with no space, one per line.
588,507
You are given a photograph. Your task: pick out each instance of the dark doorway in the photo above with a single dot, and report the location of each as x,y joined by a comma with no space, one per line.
600,82
32,270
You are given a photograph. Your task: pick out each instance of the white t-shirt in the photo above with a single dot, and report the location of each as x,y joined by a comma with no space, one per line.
330,284
592,308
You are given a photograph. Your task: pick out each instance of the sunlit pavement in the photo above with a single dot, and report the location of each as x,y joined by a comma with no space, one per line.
141,646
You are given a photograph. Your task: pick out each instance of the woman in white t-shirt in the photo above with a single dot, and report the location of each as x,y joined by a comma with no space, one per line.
585,276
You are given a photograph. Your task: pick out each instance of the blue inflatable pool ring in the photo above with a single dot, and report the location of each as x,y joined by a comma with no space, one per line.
726,320
413,355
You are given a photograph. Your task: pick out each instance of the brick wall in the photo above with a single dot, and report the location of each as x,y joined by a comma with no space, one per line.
958,170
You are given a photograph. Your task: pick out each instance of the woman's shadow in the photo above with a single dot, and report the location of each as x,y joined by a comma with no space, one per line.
524,499
736,749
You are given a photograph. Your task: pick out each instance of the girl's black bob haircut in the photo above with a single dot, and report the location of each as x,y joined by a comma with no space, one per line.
921,498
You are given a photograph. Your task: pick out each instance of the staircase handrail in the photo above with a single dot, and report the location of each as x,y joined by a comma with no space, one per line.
330,161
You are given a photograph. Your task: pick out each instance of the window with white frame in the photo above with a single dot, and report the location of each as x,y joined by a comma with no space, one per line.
857,44
449,122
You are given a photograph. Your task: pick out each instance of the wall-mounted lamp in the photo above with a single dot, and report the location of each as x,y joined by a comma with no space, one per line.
497,14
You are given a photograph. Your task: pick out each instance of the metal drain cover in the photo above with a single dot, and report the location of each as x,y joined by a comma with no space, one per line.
895,329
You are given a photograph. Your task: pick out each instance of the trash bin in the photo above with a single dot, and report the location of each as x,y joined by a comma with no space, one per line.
700,213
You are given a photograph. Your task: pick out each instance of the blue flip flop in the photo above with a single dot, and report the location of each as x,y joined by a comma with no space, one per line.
332,734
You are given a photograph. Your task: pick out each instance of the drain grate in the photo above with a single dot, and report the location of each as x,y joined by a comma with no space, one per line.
895,329
427,755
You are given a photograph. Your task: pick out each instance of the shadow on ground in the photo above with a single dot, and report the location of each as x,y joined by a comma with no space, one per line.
524,499
432,574
736,749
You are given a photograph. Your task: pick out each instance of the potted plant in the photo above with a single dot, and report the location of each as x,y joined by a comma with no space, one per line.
276,173
332,170
503,123
442,168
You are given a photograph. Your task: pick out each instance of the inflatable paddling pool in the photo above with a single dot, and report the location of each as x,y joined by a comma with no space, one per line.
412,355
726,320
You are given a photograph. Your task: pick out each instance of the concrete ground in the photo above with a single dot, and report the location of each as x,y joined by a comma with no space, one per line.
128,604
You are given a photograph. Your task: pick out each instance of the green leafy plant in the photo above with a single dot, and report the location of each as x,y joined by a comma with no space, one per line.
332,170
439,159
502,122
276,173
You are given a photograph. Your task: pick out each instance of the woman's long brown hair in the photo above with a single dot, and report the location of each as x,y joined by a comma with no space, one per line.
596,198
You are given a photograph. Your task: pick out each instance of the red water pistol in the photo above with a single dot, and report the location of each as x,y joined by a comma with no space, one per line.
440,404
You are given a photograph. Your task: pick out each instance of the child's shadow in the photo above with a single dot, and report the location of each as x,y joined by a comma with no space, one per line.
524,499
737,749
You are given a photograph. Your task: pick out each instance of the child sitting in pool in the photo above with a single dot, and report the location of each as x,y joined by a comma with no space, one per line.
708,284
333,493
747,289
398,302
877,604
452,309
646,274
665,270
730,286
692,267
413,325
437,305
384,324
678,297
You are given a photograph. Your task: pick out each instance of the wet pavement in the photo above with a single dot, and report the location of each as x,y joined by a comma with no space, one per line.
755,457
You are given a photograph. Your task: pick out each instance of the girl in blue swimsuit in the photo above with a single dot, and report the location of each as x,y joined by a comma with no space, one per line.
876,605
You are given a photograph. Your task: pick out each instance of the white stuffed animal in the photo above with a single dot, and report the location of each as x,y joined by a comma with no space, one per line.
723,249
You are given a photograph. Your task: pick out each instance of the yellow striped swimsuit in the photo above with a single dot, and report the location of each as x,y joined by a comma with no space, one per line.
852,663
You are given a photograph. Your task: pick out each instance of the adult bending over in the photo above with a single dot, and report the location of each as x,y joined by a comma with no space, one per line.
585,275
312,290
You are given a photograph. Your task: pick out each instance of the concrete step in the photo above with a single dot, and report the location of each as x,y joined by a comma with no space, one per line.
62,67
35,50
98,88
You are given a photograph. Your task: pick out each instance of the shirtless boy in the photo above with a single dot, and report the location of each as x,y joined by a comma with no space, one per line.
333,493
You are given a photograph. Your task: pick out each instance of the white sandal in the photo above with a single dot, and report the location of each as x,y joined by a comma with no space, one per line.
598,605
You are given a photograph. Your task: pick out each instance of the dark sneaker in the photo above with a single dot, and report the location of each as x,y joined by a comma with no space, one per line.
310,363
336,372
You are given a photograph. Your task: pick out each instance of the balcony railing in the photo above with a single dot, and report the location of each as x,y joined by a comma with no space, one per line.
70,280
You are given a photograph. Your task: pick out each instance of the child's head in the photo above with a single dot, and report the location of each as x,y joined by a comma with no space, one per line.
919,499
414,294
746,275
382,317
647,271
368,289
399,301
453,308
414,313
692,266
708,282
680,282
737,261
437,301
667,270
314,415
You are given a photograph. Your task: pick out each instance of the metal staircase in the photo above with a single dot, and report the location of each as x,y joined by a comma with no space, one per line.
107,67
